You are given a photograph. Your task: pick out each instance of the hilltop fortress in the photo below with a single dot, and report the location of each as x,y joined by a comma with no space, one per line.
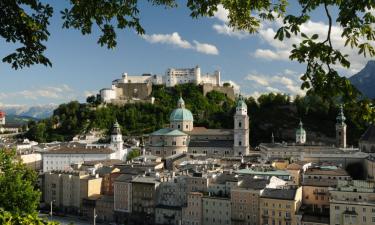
132,88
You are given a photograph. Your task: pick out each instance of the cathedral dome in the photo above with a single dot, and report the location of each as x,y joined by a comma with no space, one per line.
181,114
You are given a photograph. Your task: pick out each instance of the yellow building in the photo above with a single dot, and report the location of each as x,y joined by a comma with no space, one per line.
280,164
67,189
279,206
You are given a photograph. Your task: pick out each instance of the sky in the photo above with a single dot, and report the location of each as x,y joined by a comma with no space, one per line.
254,63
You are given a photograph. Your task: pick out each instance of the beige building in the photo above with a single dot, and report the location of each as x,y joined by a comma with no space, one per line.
67,189
216,211
122,197
352,202
295,171
279,206
144,194
245,201
315,184
192,213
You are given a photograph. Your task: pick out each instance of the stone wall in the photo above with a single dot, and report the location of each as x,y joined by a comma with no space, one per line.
228,91
128,91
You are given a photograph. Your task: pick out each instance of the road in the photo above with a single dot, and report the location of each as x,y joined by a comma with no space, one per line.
68,219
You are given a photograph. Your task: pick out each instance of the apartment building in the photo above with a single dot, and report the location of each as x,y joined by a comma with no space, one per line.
352,202
216,210
67,189
192,213
279,206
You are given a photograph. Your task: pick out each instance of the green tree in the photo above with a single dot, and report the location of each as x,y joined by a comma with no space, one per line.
133,154
18,192
6,218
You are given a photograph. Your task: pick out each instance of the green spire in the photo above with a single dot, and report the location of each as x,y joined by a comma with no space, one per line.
241,102
340,119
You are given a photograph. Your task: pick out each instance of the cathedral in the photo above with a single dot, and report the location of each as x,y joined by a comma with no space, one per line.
182,137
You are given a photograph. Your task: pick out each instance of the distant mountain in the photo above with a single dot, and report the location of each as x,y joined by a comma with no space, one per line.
364,80
14,119
38,112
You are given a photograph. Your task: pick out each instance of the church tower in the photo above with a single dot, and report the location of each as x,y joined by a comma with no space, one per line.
241,129
341,129
300,134
116,141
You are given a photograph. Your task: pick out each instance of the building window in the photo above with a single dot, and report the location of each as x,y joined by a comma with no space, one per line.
173,142
239,124
187,126
178,126
239,143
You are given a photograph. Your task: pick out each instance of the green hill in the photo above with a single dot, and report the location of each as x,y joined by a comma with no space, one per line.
270,113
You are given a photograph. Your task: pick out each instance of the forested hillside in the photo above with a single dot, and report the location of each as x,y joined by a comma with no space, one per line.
270,113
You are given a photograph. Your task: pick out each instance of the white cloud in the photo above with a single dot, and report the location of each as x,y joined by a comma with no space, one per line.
226,30
89,93
221,14
279,83
280,50
176,40
268,54
260,79
236,86
173,39
52,92
206,48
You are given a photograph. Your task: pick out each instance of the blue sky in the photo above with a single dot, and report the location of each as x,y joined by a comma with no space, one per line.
256,63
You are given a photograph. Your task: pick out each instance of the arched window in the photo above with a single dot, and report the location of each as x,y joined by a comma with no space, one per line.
239,124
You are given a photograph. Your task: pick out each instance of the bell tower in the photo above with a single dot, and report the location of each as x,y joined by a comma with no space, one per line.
241,129
341,129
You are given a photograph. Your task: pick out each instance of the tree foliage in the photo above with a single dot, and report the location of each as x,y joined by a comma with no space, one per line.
19,196
6,218
18,192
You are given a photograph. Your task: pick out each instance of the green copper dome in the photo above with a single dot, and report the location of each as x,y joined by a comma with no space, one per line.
300,130
241,103
181,114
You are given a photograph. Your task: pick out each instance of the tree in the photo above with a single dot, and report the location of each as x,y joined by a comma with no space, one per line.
133,154
6,218
18,192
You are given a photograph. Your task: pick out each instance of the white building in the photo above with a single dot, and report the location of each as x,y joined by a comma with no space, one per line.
62,157
190,75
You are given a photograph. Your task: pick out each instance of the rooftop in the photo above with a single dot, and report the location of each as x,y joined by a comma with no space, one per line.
209,132
284,194
78,149
326,170
263,173
211,143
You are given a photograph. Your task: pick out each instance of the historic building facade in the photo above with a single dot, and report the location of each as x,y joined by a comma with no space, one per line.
181,136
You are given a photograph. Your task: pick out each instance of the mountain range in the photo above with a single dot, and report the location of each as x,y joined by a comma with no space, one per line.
37,112
364,80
